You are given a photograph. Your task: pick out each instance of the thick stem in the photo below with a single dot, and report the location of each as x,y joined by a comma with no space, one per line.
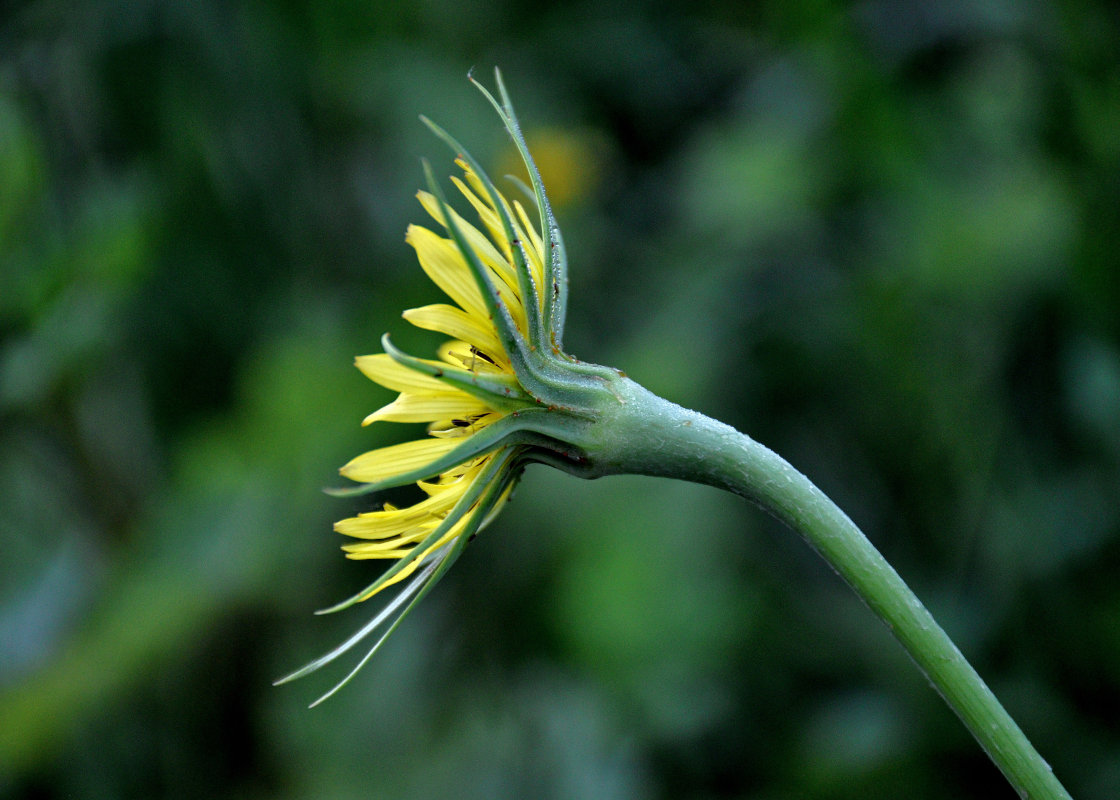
648,435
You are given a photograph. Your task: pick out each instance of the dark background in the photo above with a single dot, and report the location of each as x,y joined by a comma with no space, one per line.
880,237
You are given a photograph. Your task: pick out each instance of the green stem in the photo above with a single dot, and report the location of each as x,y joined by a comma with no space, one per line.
648,435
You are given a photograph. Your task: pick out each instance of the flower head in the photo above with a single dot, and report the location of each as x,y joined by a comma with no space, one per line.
467,389
500,393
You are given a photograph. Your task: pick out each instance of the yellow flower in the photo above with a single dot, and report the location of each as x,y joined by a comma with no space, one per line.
472,491
501,392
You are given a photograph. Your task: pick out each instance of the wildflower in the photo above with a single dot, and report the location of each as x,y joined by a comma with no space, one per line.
500,393
470,387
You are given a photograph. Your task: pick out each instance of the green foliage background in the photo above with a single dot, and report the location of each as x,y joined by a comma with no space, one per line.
881,238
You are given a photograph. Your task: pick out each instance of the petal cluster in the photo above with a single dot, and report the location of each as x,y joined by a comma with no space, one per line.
453,414
499,393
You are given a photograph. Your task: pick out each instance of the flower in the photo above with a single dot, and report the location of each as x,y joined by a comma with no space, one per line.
500,394
462,498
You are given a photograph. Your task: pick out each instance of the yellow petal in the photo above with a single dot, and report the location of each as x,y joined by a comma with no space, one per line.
457,478
382,369
459,325
395,522
444,264
396,546
447,404
387,462
478,242
361,552
486,213
387,548
473,180
357,551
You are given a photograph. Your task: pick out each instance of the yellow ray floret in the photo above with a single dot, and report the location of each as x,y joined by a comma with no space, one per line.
476,240
449,404
462,326
451,533
386,462
392,521
382,369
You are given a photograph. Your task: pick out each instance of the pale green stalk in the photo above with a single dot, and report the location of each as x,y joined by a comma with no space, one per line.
645,434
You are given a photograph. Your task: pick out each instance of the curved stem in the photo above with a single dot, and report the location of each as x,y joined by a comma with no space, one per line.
656,437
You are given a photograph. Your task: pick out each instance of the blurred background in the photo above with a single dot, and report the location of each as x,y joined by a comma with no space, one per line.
880,237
